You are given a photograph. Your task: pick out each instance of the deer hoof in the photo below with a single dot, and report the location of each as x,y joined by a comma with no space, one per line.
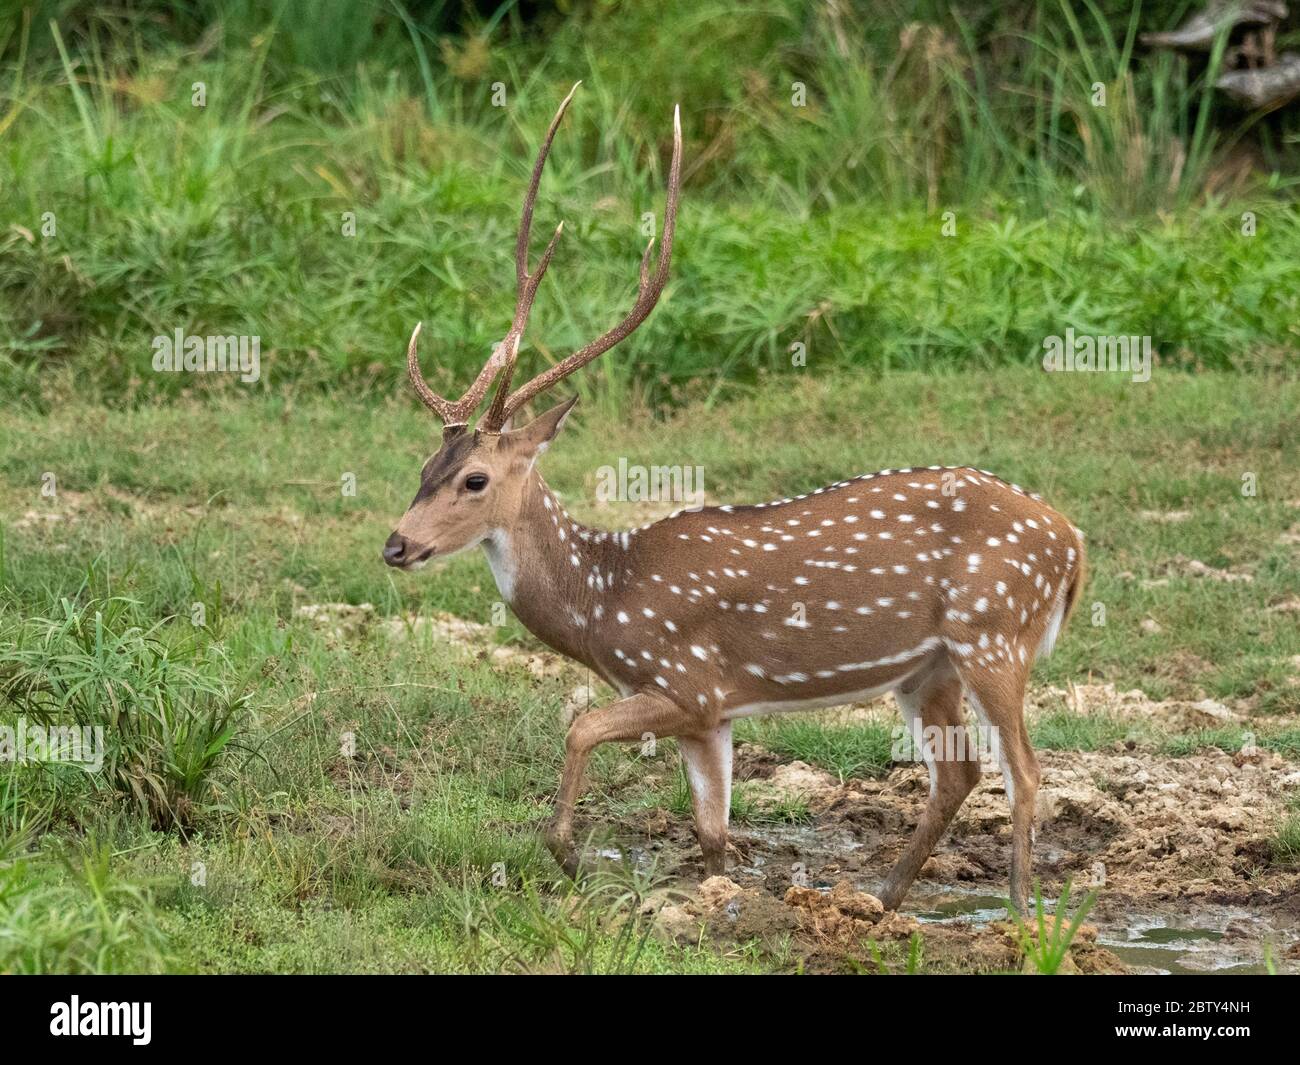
560,843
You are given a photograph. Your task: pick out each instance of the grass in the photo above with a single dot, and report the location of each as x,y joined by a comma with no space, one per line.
162,715
312,859
1285,844
326,213
909,959
1065,731
266,522
1045,947
75,916
750,805
857,750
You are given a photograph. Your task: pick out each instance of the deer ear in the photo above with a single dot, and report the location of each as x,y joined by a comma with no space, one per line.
536,436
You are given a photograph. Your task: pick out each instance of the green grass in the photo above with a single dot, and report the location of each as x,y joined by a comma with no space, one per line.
1046,948
159,714
856,750
133,213
1285,844
421,852
750,804
74,914
1066,731
261,516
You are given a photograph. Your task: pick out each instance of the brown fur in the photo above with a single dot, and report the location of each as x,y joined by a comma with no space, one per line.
930,582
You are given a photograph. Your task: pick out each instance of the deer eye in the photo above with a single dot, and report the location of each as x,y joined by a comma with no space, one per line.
476,482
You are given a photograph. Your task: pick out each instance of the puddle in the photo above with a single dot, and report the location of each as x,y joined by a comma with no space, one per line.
1196,944
1187,947
1180,952
947,908
1187,937
638,860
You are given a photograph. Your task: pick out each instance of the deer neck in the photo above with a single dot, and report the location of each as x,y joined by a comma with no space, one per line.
553,572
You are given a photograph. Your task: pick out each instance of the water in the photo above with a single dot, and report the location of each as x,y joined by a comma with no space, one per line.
1191,944
948,908
1184,948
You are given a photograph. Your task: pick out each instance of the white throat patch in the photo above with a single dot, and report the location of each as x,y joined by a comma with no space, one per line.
502,560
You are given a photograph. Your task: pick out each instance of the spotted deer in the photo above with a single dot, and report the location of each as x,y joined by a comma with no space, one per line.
927,582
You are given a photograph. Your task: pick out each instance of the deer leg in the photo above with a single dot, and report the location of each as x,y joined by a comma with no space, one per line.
708,768
999,699
627,719
934,703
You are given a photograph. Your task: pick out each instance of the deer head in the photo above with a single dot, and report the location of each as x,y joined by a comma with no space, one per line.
475,482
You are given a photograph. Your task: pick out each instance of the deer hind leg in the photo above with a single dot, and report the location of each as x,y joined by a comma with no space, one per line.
628,719
999,699
708,768
934,701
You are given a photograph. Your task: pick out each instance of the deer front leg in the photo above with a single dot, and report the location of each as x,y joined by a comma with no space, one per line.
628,719
708,768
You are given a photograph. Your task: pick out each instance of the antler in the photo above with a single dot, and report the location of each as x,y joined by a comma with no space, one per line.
452,414
649,290
505,353
527,283
504,402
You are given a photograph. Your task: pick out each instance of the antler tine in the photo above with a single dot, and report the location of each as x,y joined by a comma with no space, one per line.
510,345
504,354
526,220
427,395
649,289
452,414
527,282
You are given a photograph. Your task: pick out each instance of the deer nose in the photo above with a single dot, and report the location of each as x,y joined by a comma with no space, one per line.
395,549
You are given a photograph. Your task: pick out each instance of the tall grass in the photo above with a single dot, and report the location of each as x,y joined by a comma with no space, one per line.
137,213
165,714
922,101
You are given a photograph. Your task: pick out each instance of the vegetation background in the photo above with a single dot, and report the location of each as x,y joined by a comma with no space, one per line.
917,193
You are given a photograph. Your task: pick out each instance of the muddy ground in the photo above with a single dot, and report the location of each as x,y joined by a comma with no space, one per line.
1177,849
1177,846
